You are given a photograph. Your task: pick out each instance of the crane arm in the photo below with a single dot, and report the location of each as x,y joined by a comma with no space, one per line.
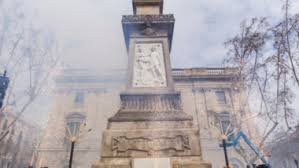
250,144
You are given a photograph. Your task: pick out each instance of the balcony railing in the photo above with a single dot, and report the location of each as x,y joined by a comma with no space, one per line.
205,72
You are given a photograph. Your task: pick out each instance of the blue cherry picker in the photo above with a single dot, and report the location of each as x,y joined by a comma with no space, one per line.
232,141
229,139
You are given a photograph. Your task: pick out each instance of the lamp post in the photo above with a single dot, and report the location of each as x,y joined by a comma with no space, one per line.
224,137
72,152
74,135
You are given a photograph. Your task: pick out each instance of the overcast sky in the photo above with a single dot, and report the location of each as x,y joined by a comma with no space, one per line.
89,32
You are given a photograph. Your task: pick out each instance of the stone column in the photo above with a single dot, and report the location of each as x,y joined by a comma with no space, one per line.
150,126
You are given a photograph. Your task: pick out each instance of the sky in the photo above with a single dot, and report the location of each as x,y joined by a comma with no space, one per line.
91,29
89,32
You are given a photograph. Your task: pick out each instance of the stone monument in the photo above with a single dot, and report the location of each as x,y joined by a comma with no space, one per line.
150,129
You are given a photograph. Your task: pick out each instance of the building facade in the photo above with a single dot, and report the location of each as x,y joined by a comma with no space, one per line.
211,95
84,97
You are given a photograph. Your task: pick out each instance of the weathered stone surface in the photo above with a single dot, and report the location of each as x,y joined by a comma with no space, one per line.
113,163
148,18
148,143
150,107
150,116
145,102
147,7
152,125
139,25
151,163
175,162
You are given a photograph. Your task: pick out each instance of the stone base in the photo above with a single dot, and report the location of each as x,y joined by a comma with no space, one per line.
175,162
181,146
148,129
150,143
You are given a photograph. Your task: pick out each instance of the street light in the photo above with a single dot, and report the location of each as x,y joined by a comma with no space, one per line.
224,135
74,132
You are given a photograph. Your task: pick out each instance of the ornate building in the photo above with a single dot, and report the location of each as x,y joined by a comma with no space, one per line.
210,95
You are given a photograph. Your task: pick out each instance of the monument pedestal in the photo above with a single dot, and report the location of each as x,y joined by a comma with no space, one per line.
150,126
139,133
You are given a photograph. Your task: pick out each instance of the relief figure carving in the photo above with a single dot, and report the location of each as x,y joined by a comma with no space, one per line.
149,68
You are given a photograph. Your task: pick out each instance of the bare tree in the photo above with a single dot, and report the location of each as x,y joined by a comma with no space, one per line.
28,53
267,58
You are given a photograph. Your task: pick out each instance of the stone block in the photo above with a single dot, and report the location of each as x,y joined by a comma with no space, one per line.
171,162
151,163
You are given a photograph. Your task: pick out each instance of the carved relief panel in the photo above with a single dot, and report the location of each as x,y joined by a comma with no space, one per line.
150,145
149,65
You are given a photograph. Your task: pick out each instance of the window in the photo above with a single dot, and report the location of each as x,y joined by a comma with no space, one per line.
79,98
221,97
